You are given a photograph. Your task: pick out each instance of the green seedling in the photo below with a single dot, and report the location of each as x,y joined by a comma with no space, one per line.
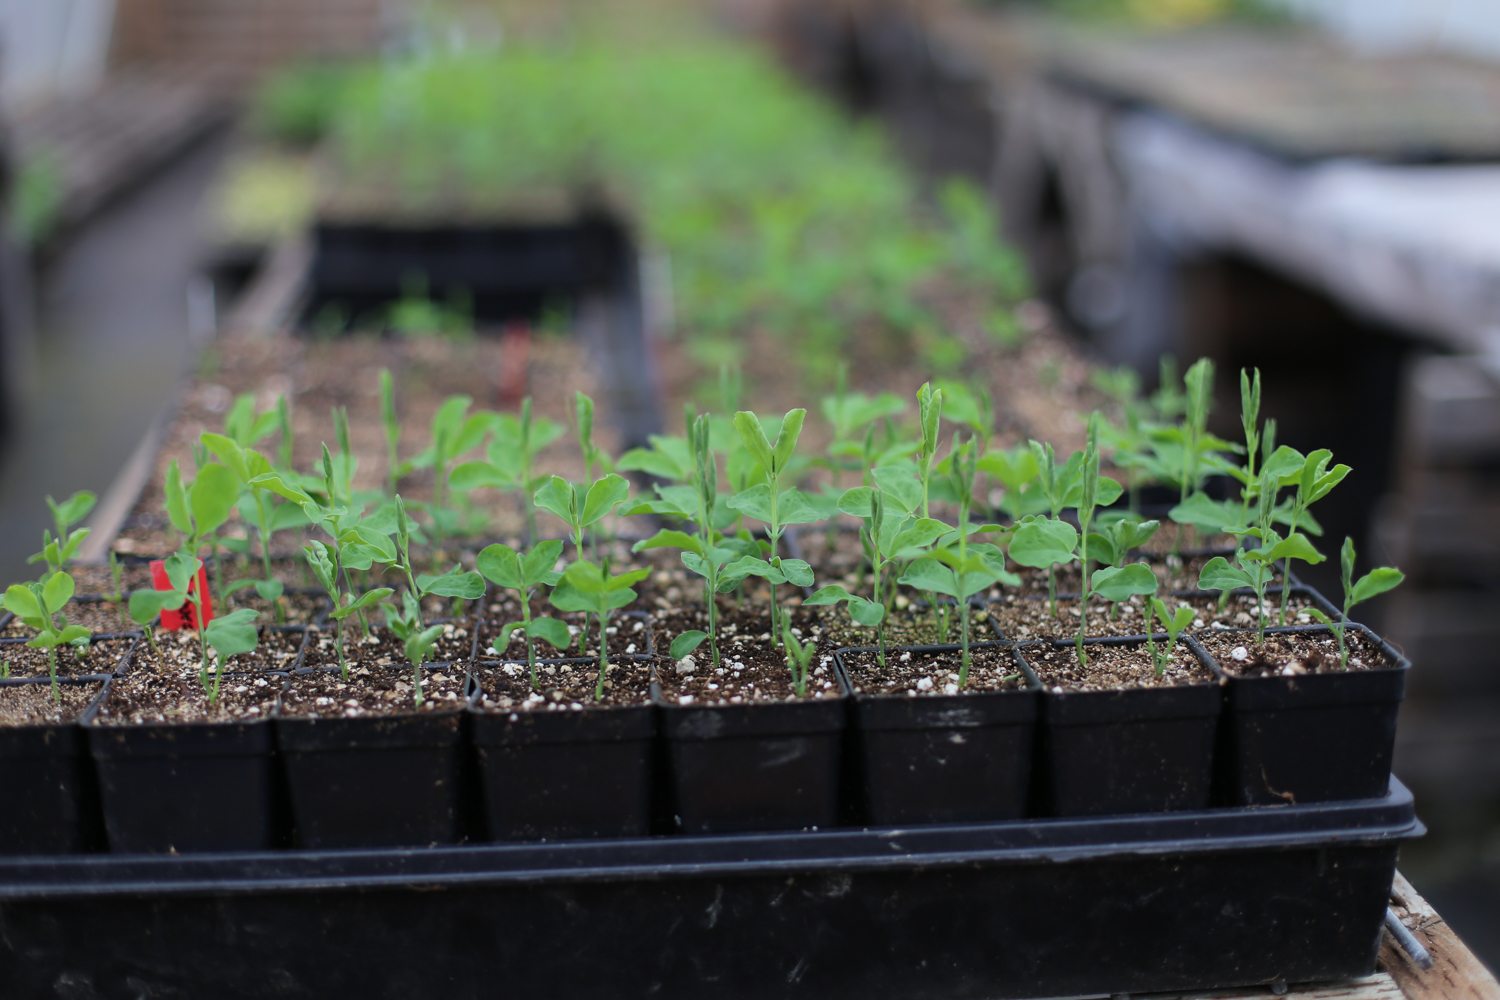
39,607
590,588
930,419
510,459
1110,546
146,606
1173,623
455,433
799,657
1314,481
245,426
258,505
390,421
417,640
1374,583
774,505
228,635
61,542
116,577
198,510
581,506
524,573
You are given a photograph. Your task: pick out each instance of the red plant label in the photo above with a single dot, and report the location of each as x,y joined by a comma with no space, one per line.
185,617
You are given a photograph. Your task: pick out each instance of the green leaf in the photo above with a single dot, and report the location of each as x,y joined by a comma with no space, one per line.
57,592
501,565
831,594
1213,516
73,509
754,502
856,502
181,568
556,496
277,484
459,583
147,605
467,476
753,436
1043,542
551,631
1376,582
794,507
270,590
607,493
929,575
176,500
1219,574
232,634
786,438
539,565
229,452
1295,546
686,643
74,635
915,535
668,538
866,612
1120,583
24,604
899,483
212,497
365,600
797,572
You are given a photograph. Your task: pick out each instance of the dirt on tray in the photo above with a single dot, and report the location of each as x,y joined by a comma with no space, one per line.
562,687
924,674
143,697
381,649
751,668
1112,667
372,691
33,704
102,657
1023,618
1289,654
181,655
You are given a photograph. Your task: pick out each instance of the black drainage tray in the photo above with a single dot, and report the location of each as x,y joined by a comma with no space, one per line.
1016,909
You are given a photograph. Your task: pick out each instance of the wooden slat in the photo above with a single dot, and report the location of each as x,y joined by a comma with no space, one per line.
1455,973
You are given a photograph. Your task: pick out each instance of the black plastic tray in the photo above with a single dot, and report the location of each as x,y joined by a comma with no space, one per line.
1017,909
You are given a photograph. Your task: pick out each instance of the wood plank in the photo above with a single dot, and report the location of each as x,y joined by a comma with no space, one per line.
1455,974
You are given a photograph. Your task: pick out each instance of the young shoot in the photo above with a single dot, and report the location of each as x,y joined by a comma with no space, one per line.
1374,583
799,657
590,588
510,459
775,505
39,607
930,417
228,635
417,640
1173,623
524,573
61,542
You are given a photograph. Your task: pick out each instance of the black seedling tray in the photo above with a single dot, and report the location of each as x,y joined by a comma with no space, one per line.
1140,903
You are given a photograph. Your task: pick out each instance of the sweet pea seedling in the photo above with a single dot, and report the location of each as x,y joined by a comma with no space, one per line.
417,640
60,543
1173,623
799,656
592,588
775,506
39,607
1374,583
524,573
146,606
510,459
228,635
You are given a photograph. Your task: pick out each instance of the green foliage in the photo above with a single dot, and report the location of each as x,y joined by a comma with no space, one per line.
39,607
1374,583
61,542
799,657
228,635
1173,623
593,589
525,573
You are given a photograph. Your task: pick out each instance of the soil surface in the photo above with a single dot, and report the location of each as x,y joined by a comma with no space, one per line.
371,691
917,673
562,686
628,635
1021,618
180,655
751,667
144,698
382,649
32,704
1110,668
102,657
1291,654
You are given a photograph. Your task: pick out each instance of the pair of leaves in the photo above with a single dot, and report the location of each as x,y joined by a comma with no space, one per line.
202,507
958,576
232,634
514,570
553,632
792,506
773,458
586,586
580,506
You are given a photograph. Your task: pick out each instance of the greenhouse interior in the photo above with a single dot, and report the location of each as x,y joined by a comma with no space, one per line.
749,498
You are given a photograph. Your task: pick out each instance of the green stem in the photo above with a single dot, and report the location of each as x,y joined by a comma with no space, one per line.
1083,592
213,695
603,658
526,628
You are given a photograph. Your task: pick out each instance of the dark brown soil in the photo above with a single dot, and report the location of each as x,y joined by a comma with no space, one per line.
381,649
180,654
371,691
1023,618
1111,668
926,674
296,608
144,698
562,686
96,580
751,669
629,635
1288,655
102,657
32,704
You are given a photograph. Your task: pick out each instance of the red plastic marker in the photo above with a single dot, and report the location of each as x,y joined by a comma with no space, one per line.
186,616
